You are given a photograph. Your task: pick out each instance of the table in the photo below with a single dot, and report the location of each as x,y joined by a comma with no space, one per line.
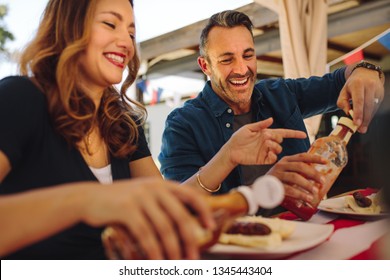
352,239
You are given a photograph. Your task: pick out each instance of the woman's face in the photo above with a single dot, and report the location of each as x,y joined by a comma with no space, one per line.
111,45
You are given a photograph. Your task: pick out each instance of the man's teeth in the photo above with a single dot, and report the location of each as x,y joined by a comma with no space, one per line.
241,82
115,58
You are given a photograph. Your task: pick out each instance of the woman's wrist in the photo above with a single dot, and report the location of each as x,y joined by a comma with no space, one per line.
84,198
206,188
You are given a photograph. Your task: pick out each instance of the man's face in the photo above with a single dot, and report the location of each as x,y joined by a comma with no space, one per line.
232,66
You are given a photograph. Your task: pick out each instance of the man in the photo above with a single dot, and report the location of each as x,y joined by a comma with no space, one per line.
205,133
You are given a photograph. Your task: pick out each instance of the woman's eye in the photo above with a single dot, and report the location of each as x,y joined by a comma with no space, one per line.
109,24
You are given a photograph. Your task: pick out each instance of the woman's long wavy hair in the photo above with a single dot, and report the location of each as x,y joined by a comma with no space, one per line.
52,60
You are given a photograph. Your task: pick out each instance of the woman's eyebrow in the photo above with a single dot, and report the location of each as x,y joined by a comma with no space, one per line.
119,16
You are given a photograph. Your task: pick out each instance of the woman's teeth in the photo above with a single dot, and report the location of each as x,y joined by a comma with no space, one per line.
115,58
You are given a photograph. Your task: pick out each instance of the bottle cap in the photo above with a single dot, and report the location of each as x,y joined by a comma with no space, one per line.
266,192
348,123
247,192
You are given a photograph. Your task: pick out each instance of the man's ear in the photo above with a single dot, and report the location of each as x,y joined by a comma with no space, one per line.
203,65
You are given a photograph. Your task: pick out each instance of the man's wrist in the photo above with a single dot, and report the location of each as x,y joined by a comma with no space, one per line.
369,66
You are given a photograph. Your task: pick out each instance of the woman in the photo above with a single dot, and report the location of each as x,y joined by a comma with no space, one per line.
64,127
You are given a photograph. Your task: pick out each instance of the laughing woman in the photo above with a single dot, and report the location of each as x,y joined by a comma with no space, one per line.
68,136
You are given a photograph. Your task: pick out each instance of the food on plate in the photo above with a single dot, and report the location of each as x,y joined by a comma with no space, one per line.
362,204
362,200
255,231
249,231
248,228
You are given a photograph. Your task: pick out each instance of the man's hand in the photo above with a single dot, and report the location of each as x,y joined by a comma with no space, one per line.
366,90
255,143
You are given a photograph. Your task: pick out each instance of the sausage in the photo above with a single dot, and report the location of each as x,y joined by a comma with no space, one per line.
249,228
361,200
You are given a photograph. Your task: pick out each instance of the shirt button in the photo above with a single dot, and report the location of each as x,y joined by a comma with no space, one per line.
227,125
229,111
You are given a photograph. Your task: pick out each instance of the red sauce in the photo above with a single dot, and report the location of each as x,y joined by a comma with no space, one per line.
304,211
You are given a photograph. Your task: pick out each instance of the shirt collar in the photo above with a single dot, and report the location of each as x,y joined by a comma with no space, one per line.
217,105
257,96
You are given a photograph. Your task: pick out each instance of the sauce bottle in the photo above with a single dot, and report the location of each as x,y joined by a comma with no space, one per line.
266,192
333,148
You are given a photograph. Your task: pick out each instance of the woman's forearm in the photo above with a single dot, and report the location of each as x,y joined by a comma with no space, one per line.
35,215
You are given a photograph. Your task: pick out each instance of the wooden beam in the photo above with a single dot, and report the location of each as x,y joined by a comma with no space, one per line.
270,58
344,49
188,37
344,22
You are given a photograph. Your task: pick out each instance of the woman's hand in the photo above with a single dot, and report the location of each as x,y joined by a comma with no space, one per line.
155,213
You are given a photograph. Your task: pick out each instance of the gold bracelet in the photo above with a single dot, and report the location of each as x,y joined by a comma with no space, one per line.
204,187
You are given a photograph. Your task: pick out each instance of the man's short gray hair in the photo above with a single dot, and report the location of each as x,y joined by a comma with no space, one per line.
229,19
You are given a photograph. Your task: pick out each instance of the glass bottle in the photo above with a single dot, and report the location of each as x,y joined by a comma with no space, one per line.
333,148
266,192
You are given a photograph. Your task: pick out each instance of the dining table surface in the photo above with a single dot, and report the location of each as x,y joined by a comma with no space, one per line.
352,237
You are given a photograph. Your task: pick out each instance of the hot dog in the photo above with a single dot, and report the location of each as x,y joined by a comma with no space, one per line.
249,228
255,231
362,204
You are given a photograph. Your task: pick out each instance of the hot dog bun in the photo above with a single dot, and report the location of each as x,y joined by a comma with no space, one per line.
280,229
374,208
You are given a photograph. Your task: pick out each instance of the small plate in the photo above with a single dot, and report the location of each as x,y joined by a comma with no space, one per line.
305,236
338,206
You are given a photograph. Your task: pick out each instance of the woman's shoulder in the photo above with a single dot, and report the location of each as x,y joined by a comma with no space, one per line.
17,82
19,95
20,87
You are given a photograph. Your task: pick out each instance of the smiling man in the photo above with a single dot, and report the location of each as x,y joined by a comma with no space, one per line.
212,142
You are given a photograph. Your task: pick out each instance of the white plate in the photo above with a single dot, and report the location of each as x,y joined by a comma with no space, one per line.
337,206
305,236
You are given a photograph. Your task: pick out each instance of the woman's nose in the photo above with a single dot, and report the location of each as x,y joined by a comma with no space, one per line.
125,41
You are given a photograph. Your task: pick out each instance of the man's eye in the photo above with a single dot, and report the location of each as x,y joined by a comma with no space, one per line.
109,24
226,61
249,56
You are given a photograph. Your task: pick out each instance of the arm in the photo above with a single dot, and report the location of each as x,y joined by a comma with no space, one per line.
5,166
144,167
141,163
152,210
253,144
32,216
363,86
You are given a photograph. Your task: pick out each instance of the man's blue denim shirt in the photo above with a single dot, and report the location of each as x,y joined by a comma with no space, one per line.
195,132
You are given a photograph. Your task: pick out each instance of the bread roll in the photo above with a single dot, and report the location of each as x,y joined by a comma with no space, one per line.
280,229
